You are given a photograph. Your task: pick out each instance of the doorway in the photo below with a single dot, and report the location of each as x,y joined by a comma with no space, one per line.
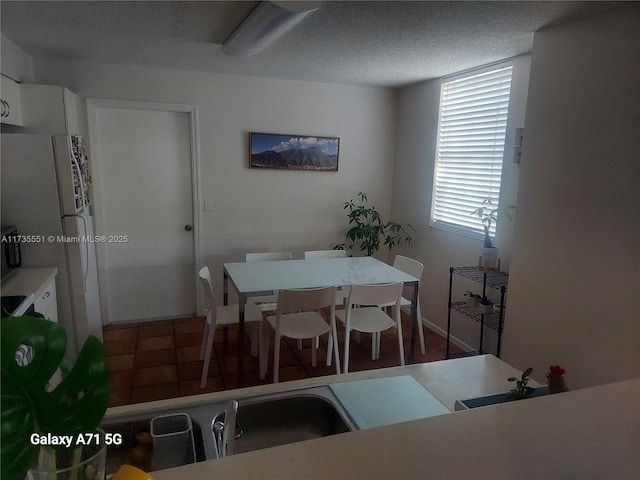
146,190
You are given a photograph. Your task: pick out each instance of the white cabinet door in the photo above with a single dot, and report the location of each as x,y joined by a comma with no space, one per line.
11,102
49,109
46,303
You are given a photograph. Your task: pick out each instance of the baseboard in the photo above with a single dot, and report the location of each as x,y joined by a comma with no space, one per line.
443,333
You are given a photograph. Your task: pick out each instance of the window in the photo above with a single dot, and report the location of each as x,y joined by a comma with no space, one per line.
471,135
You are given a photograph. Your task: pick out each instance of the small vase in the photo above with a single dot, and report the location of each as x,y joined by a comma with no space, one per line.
485,309
489,256
90,465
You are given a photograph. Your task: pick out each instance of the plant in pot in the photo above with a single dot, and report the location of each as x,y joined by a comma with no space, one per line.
53,433
521,390
367,230
473,299
486,306
488,213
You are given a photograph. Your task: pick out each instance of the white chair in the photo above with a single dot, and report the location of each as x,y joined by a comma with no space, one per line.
266,303
342,293
372,319
414,268
325,254
224,316
298,316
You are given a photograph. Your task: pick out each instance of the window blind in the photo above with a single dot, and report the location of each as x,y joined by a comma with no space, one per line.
470,149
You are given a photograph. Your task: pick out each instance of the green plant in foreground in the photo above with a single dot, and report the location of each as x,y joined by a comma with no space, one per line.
521,391
368,230
76,405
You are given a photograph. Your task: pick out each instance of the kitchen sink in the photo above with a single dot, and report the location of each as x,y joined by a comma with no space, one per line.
263,421
279,421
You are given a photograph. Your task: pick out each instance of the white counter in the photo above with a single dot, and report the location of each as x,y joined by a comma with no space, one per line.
30,282
590,433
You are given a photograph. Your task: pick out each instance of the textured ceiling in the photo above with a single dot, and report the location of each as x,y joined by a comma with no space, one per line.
366,43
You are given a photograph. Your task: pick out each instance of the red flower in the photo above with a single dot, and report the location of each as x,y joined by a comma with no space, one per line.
557,369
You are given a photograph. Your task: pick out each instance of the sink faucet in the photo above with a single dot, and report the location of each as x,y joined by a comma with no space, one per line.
225,429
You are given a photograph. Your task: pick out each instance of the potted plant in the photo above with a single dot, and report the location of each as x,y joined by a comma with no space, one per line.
488,213
367,230
42,429
473,299
486,306
521,390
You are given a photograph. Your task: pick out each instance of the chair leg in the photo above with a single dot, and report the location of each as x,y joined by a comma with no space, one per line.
254,340
346,352
423,348
299,344
207,357
205,335
374,336
333,341
314,352
329,349
400,343
263,350
276,359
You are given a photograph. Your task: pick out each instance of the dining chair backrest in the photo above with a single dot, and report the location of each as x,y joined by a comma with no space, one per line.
325,254
409,266
307,299
267,256
383,293
205,280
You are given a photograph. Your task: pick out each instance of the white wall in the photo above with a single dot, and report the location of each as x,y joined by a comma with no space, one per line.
16,63
412,191
575,271
261,210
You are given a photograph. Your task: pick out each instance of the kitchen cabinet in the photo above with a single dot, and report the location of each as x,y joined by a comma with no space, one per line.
11,102
46,303
50,109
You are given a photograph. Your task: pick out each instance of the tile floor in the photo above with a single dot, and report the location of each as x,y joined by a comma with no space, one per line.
161,359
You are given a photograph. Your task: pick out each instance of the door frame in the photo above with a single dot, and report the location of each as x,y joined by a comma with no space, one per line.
93,105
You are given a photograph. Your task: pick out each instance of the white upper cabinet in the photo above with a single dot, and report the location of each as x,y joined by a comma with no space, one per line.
49,109
11,108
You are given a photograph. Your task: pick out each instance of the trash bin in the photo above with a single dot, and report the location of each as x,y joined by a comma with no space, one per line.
173,443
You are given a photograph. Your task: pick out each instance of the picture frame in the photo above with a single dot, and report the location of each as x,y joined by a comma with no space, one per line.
293,152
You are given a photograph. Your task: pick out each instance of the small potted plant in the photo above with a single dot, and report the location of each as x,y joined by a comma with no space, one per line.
367,230
32,416
521,390
473,299
488,213
486,306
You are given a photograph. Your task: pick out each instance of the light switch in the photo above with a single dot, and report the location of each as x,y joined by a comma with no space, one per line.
208,204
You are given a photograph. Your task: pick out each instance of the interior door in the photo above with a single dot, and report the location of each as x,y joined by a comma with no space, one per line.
146,213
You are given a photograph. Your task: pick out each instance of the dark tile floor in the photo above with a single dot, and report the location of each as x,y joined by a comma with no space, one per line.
161,359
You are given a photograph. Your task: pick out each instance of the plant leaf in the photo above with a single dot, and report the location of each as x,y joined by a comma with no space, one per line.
76,405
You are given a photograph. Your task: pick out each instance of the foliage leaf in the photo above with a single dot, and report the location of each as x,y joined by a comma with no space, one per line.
76,405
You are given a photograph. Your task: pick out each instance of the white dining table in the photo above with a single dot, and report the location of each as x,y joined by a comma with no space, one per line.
263,278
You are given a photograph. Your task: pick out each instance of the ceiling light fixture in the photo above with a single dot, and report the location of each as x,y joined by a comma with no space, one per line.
265,24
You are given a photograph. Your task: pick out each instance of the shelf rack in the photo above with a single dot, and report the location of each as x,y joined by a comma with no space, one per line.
488,279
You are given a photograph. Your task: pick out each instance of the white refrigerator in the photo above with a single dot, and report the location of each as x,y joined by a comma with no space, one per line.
45,193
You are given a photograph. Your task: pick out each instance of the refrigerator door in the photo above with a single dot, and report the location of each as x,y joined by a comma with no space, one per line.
83,276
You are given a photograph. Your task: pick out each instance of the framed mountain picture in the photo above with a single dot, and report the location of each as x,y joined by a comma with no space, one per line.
293,152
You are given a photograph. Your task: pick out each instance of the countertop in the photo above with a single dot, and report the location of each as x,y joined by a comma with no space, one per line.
27,281
589,433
